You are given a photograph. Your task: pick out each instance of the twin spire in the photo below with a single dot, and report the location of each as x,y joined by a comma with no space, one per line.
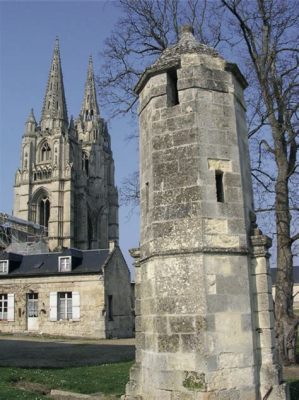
54,107
90,107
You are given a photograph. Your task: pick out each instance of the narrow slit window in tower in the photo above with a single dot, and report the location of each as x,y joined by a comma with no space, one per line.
219,186
146,196
172,88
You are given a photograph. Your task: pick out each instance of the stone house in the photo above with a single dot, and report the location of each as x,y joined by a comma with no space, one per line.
70,293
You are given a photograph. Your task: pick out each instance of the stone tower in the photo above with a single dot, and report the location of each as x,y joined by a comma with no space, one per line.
66,178
204,312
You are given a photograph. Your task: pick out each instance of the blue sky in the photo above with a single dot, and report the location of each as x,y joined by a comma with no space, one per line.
27,34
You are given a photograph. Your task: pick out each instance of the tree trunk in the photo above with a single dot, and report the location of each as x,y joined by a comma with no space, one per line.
285,321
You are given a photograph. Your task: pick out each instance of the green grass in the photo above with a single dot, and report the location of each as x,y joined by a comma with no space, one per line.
107,379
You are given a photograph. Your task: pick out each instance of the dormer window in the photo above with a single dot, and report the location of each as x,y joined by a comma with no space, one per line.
4,267
65,264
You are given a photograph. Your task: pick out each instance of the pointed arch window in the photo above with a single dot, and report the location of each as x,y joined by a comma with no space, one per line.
45,152
40,208
44,211
85,162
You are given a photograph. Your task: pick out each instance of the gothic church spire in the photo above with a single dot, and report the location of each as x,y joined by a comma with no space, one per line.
90,108
54,107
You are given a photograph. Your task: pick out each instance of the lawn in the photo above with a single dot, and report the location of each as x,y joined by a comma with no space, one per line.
107,378
33,384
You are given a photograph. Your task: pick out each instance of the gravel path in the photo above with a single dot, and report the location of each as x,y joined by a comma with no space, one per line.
50,353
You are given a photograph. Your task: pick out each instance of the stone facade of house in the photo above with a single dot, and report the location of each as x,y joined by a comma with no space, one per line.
90,299
204,312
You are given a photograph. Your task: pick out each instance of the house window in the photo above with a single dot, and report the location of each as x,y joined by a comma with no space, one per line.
65,264
172,88
64,305
3,306
110,308
4,267
219,186
32,305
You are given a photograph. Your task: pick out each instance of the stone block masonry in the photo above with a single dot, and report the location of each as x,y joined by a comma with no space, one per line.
202,286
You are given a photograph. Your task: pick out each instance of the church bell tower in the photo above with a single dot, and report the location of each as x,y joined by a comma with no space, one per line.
66,177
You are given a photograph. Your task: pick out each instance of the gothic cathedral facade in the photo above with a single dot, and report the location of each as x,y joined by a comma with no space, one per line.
66,177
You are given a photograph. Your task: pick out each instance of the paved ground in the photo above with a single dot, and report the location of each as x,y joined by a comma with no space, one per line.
34,352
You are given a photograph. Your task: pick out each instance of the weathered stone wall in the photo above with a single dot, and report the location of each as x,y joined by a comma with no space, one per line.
118,285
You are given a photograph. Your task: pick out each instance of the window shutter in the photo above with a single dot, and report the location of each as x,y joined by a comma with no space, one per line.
76,306
10,307
53,306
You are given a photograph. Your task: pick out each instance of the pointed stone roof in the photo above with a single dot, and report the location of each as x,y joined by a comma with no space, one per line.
54,102
31,117
30,126
186,44
90,108
171,57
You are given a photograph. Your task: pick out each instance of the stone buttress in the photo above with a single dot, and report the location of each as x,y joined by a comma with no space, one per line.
204,318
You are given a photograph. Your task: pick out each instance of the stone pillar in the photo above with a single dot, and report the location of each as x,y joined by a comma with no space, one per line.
269,370
135,372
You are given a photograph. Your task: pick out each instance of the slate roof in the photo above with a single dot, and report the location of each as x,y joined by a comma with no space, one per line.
295,274
46,264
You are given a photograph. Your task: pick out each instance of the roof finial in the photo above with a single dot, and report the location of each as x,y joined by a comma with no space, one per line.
186,30
56,43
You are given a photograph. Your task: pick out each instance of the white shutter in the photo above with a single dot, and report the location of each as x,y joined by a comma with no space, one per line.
10,307
53,306
76,306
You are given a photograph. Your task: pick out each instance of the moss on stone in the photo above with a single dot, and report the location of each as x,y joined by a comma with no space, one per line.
194,381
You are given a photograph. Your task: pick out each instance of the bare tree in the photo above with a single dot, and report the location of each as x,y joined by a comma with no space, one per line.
267,29
129,192
263,33
146,28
